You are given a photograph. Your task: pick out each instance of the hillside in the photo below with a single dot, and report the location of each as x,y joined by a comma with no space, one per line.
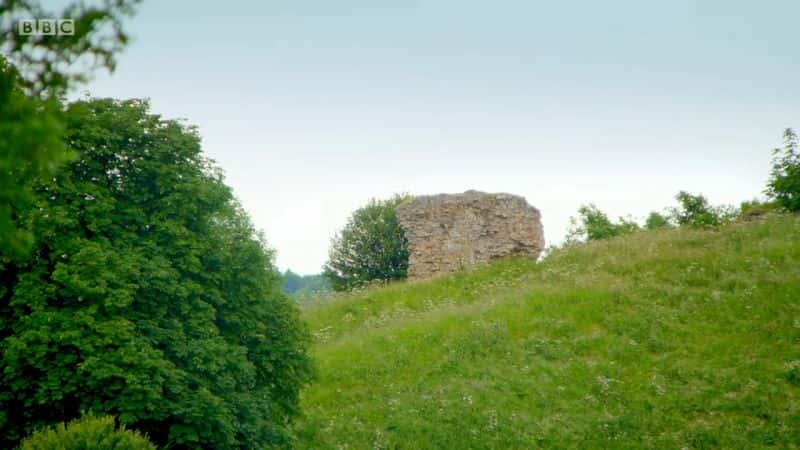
664,339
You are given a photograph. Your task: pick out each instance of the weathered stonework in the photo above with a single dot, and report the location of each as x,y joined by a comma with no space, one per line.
447,232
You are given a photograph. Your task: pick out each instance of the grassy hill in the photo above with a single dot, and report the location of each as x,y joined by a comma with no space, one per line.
665,339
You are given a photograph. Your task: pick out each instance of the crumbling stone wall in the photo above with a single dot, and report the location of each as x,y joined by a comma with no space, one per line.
447,232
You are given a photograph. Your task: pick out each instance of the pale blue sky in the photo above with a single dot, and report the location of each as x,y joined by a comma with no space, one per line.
312,108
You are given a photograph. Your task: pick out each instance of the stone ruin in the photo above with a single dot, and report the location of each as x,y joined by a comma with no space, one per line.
448,232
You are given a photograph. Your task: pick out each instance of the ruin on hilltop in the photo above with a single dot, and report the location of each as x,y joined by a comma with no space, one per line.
448,232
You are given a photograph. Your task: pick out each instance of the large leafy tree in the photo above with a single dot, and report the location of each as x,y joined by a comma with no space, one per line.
148,296
35,71
372,246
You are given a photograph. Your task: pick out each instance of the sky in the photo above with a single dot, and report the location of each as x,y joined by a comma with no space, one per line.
314,107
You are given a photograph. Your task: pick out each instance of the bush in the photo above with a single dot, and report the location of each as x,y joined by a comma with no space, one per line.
87,433
656,220
149,296
755,208
784,180
594,224
695,211
372,246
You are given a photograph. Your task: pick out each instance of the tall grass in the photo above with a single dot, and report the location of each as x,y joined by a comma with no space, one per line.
663,339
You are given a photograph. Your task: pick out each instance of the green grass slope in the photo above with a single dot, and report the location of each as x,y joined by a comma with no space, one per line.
666,339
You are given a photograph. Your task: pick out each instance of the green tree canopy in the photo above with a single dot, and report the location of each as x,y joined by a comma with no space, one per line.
695,210
656,220
148,296
31,147
372,246
593,224
784,180
35,71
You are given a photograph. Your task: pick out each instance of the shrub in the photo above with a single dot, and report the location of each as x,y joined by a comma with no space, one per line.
149,296
87,433
695,211
784,180
594,224
656,220
372,246
756,208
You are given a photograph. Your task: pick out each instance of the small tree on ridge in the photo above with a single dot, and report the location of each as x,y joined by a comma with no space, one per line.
784,180
372,246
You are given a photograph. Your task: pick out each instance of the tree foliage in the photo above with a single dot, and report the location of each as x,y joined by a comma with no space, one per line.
34,73
87,433
593,224
656,220
784,180
50,64
31,147
692,210
372,246
695,210
148,296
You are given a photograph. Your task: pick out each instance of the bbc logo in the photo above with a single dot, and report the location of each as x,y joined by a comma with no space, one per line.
46,27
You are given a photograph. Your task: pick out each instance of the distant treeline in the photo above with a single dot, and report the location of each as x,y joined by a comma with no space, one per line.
296,285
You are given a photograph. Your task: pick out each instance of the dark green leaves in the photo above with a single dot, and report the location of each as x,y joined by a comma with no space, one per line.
30,148
148,296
